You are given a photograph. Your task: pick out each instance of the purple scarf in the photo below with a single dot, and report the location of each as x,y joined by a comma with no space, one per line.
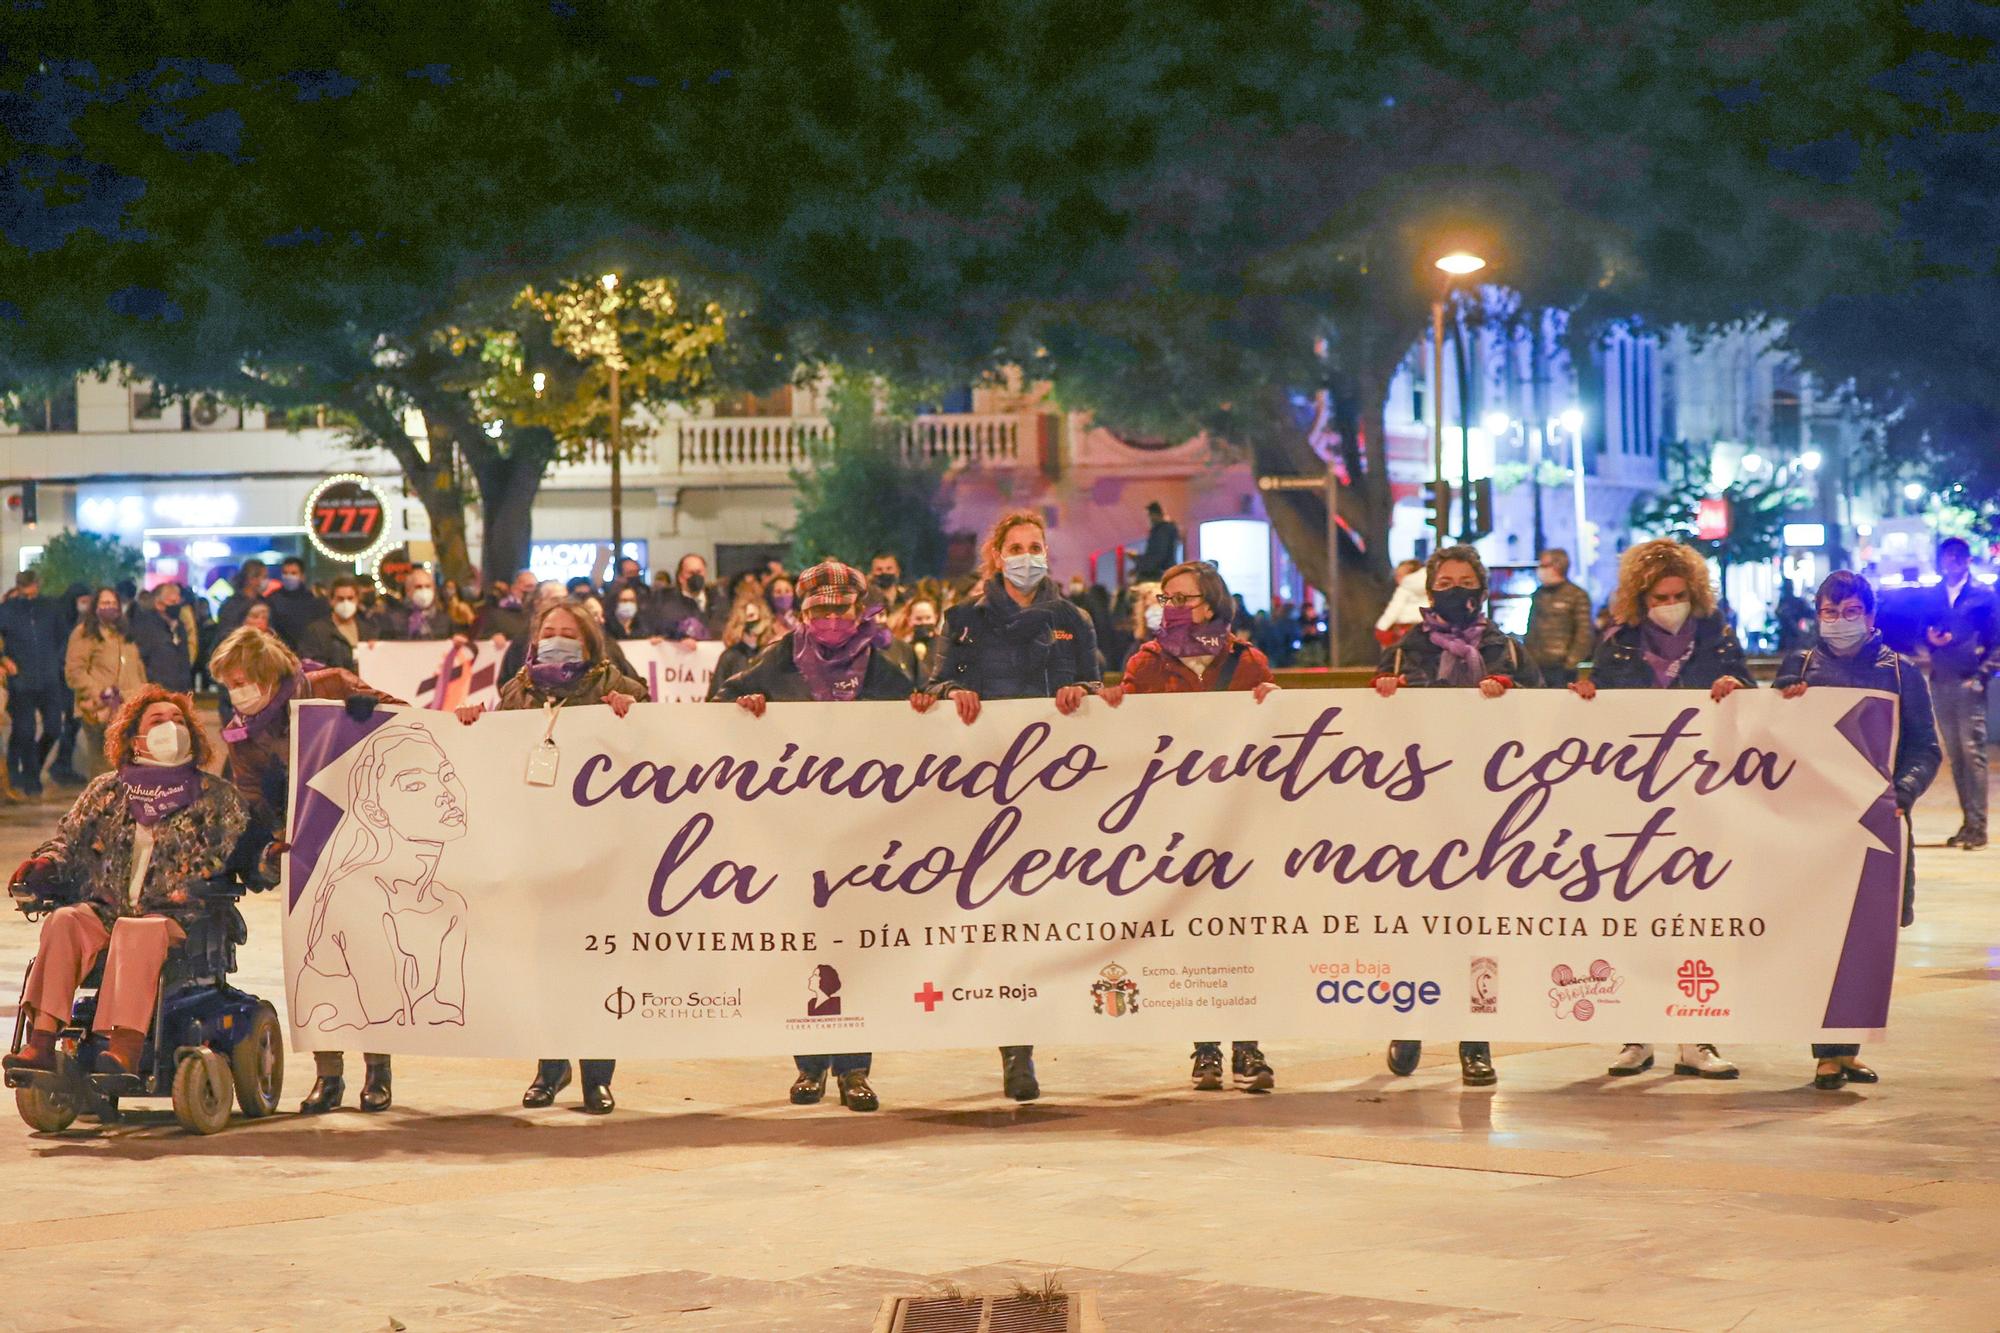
835,672
1666,653
151,794
245,725
1180,636
557,677
1459,662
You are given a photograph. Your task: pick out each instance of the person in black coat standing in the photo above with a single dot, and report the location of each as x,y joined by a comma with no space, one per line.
836,655
1852,655
294,605
1017,640
1455,645
34,642
1667,636
161,633
1963,635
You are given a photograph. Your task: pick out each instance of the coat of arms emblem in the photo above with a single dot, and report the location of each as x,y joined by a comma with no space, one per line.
1114,993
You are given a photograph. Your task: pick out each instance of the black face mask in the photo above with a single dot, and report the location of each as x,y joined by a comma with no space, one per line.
1458,606
923,633
696,582
885,581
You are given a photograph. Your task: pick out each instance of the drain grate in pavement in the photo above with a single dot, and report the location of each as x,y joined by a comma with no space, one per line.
986,1314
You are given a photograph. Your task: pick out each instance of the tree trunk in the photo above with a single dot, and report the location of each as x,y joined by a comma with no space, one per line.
432,480
508,485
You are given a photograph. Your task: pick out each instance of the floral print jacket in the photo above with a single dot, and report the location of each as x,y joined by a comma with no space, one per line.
92,849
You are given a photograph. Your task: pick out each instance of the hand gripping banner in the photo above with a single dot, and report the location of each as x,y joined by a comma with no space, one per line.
1645,866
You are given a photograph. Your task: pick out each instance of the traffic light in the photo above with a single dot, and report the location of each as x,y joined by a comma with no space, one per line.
1437,507
1479,509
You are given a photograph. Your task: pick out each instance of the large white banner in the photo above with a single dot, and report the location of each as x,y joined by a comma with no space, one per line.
1647,866
448,674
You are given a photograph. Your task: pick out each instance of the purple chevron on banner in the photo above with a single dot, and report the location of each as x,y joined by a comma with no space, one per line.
1867,968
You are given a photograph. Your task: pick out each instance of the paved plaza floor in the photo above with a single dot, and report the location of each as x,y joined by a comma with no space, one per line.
1560,1199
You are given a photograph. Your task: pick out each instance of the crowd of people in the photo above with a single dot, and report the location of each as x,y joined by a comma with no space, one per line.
125,669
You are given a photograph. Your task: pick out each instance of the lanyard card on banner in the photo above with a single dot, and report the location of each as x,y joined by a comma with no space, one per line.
544,759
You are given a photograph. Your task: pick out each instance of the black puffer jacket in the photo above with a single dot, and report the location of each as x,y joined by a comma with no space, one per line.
1621,662
999,650
1417,660
776,675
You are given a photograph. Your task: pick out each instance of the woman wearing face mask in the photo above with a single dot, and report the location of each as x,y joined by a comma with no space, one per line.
1454,645
567,667
628,614
1017,639
128,856
749,630
1667,636
1147,615
1852,656
1195,651
103,668
332,641
915,630
835,655
780,594
263,677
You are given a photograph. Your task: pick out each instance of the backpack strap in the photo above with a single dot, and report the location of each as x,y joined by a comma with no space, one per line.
1229,665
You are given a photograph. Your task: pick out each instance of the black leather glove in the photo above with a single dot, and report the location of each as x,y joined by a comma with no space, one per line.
361,707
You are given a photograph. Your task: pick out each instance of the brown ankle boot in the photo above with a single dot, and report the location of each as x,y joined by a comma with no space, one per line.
121,1052
37,1052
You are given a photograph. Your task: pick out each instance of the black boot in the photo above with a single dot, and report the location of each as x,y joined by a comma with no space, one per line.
855,1094
1475,1064
808,1088
1403,1057
326,1095
375,1095
551,1077
1017,1073
597,1099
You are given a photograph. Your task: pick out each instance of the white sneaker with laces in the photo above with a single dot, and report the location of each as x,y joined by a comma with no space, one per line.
1636,1058
1705,1061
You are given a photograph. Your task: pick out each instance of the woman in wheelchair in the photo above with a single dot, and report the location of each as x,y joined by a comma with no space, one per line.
124,858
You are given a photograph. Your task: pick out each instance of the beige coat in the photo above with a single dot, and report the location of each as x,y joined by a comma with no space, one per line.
93,665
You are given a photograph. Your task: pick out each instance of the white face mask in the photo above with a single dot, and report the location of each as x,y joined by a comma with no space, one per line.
345,609
169,745
1025,571
421,598
627,612
1843,636
1671,616
246,698
1156,616
557,652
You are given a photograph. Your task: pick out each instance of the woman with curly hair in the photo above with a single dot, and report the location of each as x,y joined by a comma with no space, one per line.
1666,635
126,857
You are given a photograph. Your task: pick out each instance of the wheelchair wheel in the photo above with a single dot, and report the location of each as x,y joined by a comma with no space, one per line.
258,1064
45,1111
203,1089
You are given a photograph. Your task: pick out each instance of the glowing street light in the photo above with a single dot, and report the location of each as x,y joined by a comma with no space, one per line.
1455,265
1572,421
1913,491
1811,459
1498,424
1753,463
610,282
1458,263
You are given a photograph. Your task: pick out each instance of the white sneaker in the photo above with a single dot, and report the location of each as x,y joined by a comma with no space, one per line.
1634,1059
1705,1061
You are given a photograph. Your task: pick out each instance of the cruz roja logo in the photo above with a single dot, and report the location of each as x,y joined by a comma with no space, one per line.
1402,996
1114,994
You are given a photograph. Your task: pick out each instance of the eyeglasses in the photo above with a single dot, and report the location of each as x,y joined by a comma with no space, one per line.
1831,613
1182,599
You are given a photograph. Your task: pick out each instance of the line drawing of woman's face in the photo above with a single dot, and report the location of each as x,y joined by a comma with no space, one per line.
419,794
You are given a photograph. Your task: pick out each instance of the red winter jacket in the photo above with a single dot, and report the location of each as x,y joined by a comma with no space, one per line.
1153,670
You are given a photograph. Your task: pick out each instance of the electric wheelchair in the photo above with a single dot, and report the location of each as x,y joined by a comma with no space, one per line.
209,1044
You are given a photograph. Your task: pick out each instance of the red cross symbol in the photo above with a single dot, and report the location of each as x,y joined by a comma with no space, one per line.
928,997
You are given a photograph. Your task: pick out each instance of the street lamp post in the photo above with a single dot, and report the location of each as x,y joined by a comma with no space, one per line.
610,283
1454,265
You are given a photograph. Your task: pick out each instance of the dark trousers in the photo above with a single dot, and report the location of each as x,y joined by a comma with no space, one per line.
1468,1048
27,745
1961,719
597,1073
1214,1048
1834,1050
71,726
840,1064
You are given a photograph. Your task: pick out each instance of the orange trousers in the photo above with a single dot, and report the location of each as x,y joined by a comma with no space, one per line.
72,939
